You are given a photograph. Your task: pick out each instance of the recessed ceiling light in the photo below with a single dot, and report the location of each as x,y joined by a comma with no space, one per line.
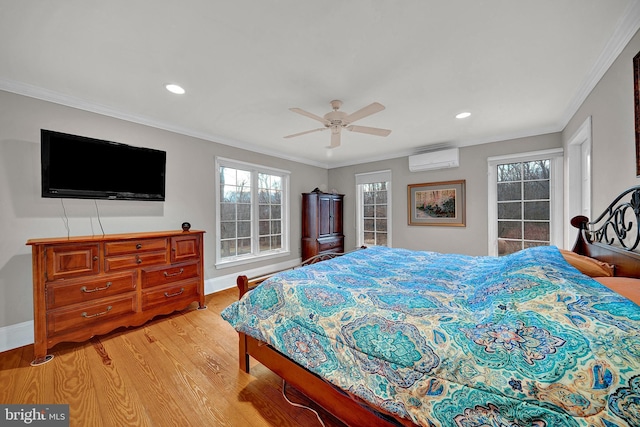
463,115
175,89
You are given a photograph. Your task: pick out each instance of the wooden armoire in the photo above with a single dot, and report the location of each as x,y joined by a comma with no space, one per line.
321,223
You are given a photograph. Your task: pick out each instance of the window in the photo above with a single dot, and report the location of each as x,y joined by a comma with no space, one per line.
252,204
525,201
373,209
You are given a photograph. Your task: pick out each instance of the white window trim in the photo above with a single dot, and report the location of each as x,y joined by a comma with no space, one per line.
370,178
252,257
556,198
578,173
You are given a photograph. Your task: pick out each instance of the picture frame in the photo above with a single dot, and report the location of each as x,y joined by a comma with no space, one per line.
636,94
437,203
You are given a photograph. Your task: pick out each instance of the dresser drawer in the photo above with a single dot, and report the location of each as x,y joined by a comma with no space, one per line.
89,314
331,244
169,274
171,297
134,246
67,292
134,261
185,247
71,260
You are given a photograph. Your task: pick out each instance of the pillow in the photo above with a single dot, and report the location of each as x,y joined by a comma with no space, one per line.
628,287
589,266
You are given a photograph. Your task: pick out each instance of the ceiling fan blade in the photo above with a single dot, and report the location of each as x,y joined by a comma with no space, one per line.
335,139
364,112
310,115
369,130
305,132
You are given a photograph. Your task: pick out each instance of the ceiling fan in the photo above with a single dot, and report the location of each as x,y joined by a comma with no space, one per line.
338,120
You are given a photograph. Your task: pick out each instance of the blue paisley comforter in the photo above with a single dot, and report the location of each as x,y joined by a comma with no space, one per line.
455,340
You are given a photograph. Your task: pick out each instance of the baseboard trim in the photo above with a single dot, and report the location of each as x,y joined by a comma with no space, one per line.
21,334
14,336
229,281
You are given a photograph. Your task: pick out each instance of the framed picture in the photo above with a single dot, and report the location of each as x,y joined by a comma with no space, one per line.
636,94
437,203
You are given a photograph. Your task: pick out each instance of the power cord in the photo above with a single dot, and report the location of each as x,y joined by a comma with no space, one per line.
65,219
98,215
284,386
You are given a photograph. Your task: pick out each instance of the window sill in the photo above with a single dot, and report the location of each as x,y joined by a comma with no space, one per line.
250,259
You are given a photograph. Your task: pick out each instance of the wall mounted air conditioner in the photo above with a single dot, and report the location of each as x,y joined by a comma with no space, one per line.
440,159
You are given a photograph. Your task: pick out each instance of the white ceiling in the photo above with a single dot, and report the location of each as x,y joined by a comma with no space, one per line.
520,67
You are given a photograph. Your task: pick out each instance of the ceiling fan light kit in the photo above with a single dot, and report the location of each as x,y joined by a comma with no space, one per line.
337,120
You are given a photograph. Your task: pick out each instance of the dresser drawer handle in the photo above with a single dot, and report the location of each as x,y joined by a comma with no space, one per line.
89,316
174,274
168,295
139,246
88,291
138,260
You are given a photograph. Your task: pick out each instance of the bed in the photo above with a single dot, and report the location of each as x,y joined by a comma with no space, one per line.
384,336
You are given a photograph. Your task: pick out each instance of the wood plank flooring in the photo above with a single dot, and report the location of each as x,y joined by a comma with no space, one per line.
177,370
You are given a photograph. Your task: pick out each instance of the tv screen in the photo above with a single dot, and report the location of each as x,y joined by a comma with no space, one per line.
87,168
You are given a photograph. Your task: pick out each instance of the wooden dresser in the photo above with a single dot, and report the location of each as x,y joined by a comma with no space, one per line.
321,224
91,285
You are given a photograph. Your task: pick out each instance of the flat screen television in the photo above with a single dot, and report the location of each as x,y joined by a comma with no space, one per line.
87,168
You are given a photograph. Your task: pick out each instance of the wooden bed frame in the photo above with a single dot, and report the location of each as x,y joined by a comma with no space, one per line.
612,238
346,408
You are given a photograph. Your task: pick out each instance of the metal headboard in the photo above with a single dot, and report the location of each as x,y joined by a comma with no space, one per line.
617,225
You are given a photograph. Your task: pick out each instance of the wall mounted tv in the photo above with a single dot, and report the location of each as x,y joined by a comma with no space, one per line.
86,168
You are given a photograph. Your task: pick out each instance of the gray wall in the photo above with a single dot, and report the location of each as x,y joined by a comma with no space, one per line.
611,107
472,239
190,192
190,182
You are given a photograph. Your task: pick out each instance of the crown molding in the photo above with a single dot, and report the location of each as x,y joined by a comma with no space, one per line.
73,102
627,27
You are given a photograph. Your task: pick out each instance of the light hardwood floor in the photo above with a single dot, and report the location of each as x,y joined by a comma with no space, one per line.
177,370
